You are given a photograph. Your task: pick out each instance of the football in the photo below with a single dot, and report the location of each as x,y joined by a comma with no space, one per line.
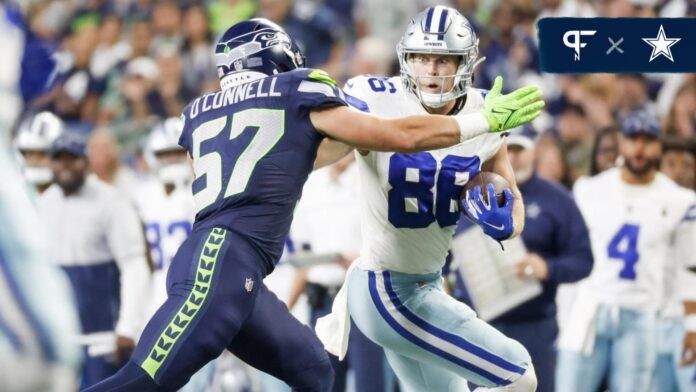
483,178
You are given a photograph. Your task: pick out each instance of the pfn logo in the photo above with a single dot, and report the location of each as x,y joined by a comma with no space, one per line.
576,44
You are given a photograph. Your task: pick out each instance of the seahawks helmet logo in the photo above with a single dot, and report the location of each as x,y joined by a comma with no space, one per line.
268,39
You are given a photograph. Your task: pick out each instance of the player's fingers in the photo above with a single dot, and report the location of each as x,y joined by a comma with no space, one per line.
531,107
497,87
490,196
509,197
478,198
524,92
528,99
529,117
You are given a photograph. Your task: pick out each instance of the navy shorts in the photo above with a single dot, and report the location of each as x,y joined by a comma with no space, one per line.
217,301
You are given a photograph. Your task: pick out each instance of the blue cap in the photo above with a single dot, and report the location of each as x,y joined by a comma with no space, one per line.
71,143
523,136
644,120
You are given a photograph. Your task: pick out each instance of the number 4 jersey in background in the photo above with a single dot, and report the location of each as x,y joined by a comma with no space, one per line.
633,230
410,201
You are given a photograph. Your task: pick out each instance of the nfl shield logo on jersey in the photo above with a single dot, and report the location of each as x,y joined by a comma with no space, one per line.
238,65
249,285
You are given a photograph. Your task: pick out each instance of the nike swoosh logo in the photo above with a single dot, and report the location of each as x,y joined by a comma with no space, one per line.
501,227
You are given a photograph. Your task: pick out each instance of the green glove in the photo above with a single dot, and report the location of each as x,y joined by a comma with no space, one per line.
508,111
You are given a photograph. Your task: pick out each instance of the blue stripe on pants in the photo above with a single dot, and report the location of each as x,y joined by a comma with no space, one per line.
421,343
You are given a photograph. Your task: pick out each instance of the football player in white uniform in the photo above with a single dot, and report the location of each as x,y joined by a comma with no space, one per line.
165,203
636,217
410,208
34,138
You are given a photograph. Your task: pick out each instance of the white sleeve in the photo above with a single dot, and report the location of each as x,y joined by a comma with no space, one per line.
126,241
684,251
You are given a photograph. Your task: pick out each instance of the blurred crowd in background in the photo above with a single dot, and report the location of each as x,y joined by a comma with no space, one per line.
124,65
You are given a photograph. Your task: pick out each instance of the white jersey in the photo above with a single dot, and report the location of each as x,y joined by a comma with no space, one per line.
168,220
410,201
634,230
97,239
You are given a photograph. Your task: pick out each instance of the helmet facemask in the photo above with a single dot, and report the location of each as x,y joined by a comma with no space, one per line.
439,31
463,77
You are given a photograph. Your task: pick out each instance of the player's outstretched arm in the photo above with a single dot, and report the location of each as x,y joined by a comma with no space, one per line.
429,132
407,135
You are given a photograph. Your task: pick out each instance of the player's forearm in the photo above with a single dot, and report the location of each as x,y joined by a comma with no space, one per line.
430,132
135,278
517,214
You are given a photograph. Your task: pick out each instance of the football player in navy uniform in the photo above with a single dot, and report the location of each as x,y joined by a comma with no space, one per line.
253,144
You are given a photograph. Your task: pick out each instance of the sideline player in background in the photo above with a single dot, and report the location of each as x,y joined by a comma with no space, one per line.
165,205
164,202
635,216
670,373
253,145
97,239
410,207
36,307
34,138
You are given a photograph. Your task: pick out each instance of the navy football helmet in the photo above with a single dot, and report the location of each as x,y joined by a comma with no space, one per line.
256,45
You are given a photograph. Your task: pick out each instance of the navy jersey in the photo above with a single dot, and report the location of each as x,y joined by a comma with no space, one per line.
253,146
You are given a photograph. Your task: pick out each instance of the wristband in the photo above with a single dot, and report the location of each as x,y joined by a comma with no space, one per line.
471,125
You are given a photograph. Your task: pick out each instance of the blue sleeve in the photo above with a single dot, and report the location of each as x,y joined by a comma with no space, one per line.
185,138
314,89
574,258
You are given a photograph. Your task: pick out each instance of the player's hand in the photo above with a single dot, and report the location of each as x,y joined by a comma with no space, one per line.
532,266
508,111
496,221
689,352
124,349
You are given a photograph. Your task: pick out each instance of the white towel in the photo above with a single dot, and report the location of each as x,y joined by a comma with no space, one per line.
334,329
578,332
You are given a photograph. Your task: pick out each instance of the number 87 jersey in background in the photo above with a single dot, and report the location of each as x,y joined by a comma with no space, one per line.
410,201
633,229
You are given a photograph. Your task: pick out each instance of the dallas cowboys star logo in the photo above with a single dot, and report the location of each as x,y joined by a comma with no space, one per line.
661,45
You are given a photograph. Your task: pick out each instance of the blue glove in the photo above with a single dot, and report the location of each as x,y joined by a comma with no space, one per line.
495,221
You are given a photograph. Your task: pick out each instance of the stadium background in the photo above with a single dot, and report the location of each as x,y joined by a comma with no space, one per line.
123,66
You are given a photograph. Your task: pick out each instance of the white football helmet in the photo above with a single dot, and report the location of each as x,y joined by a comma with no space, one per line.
36,134
164,138
439,30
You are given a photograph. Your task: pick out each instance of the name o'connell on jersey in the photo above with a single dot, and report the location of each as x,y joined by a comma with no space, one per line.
260,88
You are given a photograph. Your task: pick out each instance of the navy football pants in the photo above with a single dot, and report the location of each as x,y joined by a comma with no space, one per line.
217,300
